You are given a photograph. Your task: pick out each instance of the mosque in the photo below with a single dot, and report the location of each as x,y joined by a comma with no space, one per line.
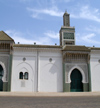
49,68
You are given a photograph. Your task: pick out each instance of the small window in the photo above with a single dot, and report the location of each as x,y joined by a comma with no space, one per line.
21,75
26,75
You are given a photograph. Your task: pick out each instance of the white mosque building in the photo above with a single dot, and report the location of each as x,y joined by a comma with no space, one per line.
49,68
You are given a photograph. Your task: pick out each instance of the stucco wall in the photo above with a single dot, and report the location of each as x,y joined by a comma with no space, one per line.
95,70
29,65
45,75
50,72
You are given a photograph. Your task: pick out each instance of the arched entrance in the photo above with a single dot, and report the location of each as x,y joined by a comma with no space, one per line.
76,81
1,75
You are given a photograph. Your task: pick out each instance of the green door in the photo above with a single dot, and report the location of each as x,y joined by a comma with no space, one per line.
1,75
76,81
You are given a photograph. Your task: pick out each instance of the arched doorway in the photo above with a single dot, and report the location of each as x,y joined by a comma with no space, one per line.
76,81
1,75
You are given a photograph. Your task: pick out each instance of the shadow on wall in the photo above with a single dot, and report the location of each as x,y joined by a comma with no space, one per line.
52,74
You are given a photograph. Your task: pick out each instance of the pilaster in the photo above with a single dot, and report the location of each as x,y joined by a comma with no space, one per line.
10,70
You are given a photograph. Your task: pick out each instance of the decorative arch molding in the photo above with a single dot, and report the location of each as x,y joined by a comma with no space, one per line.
81,71
20,66
24,69
4,79
26,66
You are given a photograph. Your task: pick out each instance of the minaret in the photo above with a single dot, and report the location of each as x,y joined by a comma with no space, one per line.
67,33
66,19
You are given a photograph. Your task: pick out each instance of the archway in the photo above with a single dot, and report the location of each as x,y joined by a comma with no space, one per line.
1,75
76,81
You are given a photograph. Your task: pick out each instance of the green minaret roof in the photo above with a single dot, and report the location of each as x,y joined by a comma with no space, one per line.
5,37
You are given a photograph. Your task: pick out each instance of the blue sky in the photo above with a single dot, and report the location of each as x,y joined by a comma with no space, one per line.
29,21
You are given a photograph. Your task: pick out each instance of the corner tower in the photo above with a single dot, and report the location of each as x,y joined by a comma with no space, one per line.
67,33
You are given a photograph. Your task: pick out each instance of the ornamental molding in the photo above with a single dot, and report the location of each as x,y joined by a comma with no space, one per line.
75,52
19,49
82,67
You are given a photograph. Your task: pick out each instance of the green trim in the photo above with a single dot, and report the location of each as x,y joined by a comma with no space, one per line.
63,77
85,87
10,69
89,76
5,85
66,86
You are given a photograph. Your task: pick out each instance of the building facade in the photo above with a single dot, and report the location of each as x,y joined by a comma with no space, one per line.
49,68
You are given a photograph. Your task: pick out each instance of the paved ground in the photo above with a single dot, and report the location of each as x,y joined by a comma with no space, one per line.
50,102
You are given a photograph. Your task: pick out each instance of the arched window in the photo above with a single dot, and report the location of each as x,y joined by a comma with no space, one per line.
21,75
26,75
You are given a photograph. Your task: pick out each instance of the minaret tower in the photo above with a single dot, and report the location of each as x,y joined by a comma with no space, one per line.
67,33
66,19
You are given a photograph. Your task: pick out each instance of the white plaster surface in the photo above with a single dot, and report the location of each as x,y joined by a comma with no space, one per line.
95,70
50,73
29,66
44,76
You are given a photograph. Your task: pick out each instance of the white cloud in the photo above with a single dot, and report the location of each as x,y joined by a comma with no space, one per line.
51,11
87,39
86,12
93,29
52,34
19,37
47,7
13,33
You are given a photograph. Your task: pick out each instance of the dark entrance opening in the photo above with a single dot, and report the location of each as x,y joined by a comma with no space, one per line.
1,75
76,81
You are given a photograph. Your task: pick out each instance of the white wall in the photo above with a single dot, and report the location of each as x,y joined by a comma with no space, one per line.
29,65
95,70
44,76
50,73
